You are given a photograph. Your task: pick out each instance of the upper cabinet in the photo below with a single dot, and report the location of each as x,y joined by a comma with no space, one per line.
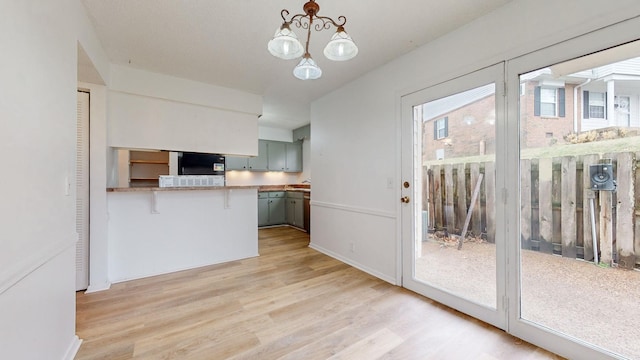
277,156
272,156
257,163
293,156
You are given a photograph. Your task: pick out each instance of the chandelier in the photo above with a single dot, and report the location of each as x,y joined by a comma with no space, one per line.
285,44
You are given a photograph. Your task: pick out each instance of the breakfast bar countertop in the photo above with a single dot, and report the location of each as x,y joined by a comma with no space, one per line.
139,189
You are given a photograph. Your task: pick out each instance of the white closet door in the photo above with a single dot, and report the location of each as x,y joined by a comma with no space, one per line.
82,192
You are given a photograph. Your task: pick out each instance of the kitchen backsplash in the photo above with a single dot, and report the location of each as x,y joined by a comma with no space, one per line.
241,178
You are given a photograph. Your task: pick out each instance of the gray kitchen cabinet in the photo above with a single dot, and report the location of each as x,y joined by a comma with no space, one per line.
263,209
293,156
272,156
271,208
277,208
295,209
260,162
276,151
236,163
254,163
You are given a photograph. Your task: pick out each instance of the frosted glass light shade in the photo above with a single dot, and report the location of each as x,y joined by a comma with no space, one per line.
285,44
341,47
307,69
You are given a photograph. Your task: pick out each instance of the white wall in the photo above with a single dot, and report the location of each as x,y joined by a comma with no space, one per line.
355,142
155,111
37,137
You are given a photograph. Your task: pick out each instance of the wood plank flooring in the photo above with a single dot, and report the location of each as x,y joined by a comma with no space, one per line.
291,302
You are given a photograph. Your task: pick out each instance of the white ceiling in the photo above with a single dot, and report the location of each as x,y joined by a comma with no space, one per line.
224,42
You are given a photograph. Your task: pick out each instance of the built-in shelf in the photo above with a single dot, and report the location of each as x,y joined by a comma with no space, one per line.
145,167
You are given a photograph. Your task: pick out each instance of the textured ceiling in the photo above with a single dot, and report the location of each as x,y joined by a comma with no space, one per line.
223,42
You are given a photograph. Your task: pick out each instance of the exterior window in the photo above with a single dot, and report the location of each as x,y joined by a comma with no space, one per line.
441,128
548,102
597,104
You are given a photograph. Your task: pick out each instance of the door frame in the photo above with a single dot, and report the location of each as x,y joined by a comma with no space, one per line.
491,74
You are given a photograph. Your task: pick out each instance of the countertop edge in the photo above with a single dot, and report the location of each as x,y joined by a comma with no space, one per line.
141,189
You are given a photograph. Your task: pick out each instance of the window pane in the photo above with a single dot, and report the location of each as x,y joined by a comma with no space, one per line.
596,99
548,95
547,109
456,251
579,248
596,111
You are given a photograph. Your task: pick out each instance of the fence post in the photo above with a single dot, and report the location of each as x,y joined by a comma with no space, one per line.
587,195
476,216
545,204
606,227
568,206
449,213
437,198
461,192
625,214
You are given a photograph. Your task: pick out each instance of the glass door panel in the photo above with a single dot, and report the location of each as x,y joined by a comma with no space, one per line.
580,187
450,247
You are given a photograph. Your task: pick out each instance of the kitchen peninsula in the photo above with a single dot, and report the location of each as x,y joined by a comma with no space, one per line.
154,230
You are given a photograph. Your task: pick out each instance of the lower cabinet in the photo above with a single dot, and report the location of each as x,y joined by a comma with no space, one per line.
263,209
295,209
271,208
277,208
280,207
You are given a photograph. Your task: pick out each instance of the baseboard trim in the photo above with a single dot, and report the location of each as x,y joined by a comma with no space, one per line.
96,288
355,264
374,212
73,348
14,274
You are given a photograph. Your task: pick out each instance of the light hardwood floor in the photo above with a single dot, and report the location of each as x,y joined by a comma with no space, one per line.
290,303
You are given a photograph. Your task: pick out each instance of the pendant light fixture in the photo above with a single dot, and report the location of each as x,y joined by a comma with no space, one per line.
285,44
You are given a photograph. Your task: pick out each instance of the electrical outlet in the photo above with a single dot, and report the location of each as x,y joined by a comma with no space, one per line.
352,247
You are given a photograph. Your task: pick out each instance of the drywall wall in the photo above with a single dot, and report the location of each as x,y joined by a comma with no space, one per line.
38,111
154,111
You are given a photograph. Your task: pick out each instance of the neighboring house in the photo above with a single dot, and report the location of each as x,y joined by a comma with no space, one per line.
459,125
553,106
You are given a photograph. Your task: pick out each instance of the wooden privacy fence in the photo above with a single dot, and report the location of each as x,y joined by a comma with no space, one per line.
555,205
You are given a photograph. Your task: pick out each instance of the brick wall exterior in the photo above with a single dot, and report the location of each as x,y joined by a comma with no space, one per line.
537,131
478,137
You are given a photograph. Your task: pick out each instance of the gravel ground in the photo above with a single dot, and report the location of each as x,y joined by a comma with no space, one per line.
596,304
